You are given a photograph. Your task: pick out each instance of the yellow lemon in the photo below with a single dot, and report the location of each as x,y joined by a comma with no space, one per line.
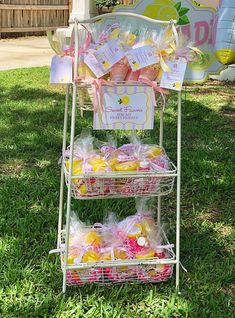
91,256
125,100
162,10
177,85
93,238
135,65
105,64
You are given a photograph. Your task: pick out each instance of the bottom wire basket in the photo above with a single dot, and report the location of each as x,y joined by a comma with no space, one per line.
149,270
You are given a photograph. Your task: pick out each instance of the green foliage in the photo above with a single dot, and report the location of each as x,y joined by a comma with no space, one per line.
106,3
31,120
183,19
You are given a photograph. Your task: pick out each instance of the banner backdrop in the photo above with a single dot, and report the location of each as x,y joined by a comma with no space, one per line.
196,21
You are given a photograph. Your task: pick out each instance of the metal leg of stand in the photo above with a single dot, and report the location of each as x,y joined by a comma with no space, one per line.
178,193
69,185
61,203
161,144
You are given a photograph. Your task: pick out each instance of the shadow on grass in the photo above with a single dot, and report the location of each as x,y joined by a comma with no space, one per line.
32,135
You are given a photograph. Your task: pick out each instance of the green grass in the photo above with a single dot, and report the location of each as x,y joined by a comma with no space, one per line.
31,122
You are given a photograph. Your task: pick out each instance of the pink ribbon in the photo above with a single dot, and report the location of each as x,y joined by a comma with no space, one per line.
156,88
96,86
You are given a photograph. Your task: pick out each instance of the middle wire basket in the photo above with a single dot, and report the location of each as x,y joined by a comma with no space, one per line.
121,184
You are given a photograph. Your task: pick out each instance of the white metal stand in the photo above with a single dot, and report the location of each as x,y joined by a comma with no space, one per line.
175,259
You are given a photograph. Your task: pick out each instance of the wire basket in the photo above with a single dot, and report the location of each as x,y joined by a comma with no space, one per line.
122,184
151,270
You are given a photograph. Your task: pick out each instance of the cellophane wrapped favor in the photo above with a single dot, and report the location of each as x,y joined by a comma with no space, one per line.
136,237
133,169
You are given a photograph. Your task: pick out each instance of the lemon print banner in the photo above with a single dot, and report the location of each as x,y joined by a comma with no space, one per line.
197,22
125,107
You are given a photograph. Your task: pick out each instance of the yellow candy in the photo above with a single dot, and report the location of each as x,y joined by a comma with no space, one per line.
150,253
148,226
73,254
83,189
154,151
113,162
77,166
91,256
120,254
93,238
97,164
135,231
127,166
106,257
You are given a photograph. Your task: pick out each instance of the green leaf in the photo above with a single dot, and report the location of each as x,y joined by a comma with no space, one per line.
177,6
183,20
183,11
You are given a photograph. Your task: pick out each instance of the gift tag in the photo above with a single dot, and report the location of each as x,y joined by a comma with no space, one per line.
141,57
90,60
101,60
174,79
61,70
109,54
125,107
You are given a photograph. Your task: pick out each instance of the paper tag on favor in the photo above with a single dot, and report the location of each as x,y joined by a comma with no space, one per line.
90,60
174,79
141,57
109,54
61,70
101,60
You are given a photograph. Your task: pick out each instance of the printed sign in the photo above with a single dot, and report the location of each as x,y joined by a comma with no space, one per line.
61,70
125,107
197,22
141,57
174,79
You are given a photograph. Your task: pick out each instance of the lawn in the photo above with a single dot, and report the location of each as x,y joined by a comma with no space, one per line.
31,134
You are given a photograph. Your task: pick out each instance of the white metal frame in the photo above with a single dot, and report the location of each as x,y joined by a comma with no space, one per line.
65,266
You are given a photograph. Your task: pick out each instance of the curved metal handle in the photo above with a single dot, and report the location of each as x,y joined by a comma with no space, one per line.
121,14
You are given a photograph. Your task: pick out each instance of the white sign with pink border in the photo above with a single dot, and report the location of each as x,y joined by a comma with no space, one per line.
125,107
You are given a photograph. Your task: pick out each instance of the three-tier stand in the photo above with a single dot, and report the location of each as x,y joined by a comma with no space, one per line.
67,177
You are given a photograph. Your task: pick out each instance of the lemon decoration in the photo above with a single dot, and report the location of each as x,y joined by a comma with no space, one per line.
135,64
125,100
206,59
105,64
162,10
177,85
166,10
